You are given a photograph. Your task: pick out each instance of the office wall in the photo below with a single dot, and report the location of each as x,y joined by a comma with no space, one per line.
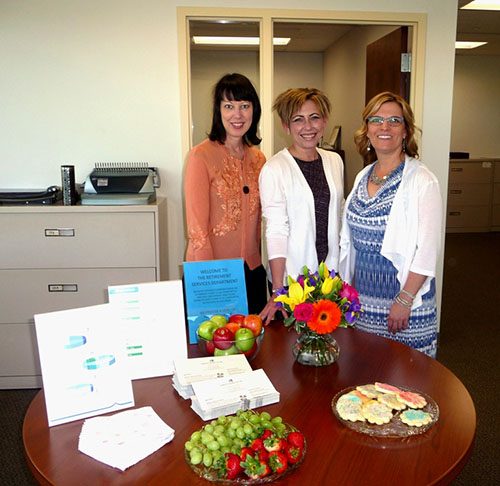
345,80
476,106
98,80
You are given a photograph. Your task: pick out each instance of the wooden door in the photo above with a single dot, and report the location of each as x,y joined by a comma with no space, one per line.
383,65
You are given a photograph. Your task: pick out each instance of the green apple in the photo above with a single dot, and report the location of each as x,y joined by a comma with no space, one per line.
244,339
206,329
226,352
219,319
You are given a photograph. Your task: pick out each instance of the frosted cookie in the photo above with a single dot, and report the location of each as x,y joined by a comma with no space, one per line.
415,418
352,397
362,397
386,388
413,400
391,401
368,391
376,412
349,409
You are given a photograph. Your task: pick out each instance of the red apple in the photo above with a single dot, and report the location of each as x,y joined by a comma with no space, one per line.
254,323
223,338
238,318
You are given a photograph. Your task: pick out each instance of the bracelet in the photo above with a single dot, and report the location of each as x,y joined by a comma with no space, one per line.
276,290
412,297
402,302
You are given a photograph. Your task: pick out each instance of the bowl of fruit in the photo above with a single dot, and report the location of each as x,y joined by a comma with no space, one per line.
239,334
248,448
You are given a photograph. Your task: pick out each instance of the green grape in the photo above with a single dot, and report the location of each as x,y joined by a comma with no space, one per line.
225,449
240,433
231,433
248,429
254,419
235,423
276,420
196,436
239,442
266,424
218,430
196,457
189,446
265,416
281,427
236,449
213,446
222,440
254,435
206,438
213,423
207,459
222,420
216,455
209,428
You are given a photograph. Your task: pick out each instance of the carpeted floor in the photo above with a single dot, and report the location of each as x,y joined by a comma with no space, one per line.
469,346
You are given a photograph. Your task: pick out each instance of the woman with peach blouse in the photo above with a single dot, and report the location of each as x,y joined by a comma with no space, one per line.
221,186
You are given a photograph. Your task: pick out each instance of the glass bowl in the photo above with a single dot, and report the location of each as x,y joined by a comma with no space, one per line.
246,347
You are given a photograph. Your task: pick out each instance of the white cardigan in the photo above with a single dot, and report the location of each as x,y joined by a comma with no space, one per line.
288,208
412,238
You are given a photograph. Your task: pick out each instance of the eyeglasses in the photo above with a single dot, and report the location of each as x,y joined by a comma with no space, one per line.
392,121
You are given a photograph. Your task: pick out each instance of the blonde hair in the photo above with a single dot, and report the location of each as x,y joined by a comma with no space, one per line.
290,101
361,139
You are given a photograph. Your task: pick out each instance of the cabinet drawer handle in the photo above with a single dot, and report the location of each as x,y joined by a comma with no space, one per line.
454,213
63,288
455,191
51,232
457,169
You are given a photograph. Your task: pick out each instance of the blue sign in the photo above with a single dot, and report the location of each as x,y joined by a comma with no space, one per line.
215,287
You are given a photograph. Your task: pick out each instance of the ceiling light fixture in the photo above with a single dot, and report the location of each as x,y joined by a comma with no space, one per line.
236,41
482,5
468,44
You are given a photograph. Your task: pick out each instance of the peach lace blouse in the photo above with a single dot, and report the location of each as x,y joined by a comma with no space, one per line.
223,220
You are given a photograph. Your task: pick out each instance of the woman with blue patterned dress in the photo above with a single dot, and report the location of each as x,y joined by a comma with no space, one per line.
391,230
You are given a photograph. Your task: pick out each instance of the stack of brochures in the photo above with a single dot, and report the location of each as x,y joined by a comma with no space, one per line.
189,371
225,396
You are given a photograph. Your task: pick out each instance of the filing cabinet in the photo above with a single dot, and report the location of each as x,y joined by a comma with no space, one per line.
62,257
470,195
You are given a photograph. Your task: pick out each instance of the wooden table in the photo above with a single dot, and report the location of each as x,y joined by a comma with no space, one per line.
336,455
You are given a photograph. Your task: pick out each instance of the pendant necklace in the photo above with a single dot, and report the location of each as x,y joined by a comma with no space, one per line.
378,181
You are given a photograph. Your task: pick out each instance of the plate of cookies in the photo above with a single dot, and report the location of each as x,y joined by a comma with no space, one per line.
384,410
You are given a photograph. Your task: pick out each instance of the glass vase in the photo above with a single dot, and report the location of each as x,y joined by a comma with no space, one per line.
316,349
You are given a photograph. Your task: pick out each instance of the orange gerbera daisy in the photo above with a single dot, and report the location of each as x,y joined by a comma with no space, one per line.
326,317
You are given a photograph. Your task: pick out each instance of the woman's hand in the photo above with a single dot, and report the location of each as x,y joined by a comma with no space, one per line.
267,314
398,318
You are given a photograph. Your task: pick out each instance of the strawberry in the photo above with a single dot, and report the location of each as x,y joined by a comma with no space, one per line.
257,445
293,454
295,439
255,468
244,452
274,444
278,461
263,455
232,467
266,434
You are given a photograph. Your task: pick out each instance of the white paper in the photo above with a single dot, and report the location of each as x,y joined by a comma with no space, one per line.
245,390
153,322
189,371
125,438
83,363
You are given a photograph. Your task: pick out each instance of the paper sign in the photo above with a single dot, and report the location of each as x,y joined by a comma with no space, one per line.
153,324
83,363
213,287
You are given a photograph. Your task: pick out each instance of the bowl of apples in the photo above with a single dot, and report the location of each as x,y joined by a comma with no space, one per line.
239,334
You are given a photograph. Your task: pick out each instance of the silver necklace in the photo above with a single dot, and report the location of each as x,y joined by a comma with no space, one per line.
378,181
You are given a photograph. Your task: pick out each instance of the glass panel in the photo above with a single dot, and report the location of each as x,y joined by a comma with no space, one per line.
210,62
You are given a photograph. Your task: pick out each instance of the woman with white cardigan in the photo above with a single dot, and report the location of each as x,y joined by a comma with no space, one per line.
391,229
301,192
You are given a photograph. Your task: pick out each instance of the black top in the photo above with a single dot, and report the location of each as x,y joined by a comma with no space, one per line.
315,176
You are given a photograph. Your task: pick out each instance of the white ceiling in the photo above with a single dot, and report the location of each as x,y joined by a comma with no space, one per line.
472,25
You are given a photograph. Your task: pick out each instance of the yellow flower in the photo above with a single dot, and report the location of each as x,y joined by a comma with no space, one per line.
296,295
327,286
323,270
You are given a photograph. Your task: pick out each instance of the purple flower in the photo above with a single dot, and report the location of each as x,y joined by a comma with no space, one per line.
303,312
348,292
352,311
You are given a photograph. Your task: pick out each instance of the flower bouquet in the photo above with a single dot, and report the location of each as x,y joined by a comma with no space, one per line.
317,303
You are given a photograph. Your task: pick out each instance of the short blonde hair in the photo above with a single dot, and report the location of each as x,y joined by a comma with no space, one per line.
360,138
290,101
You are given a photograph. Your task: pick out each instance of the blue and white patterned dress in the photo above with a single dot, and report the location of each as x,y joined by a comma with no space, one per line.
376,277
